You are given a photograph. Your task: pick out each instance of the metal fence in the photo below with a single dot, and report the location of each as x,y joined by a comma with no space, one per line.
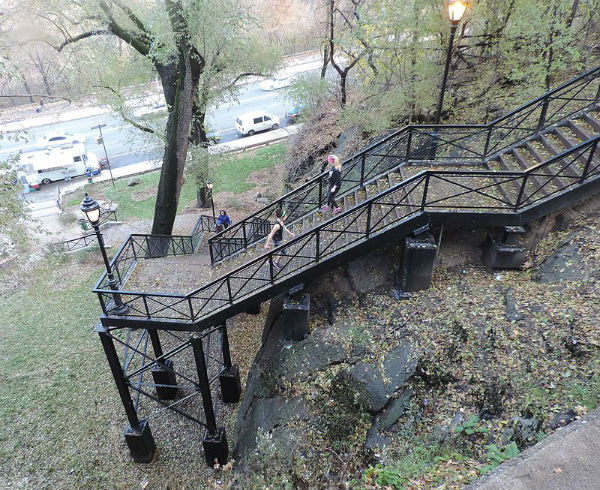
454,144
486,193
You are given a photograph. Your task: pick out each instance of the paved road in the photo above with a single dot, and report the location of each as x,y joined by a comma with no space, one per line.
123,142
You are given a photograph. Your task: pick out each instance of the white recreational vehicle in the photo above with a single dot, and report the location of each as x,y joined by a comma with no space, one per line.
63,163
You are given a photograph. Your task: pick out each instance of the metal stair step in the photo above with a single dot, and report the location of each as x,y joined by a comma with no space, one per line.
383,185
554,150
579,131
569,143
588,124
592,121
498,164
562,133
524,164
541,156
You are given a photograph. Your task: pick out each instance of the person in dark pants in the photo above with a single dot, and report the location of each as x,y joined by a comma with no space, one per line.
223,221
276,235
335,182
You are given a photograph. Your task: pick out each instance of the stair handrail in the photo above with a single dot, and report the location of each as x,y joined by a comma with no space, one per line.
430,149
420,178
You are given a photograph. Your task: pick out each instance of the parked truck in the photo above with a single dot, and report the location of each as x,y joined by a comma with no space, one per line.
60,163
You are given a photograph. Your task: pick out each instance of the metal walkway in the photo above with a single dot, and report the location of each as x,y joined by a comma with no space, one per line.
533,161
538,159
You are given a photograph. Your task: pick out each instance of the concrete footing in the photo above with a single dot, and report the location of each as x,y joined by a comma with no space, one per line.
295,315
140,442
254,310
231,387
164,376
505,253
418,257
216,448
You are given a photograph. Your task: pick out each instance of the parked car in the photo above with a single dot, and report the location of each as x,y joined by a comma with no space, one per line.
293,114
252,122
275,83
61,139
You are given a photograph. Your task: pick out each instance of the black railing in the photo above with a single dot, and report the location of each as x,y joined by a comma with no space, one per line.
443,143
143,246
447,192
108,215
76,243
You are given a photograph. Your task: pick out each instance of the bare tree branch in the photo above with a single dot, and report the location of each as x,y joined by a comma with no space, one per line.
122,113
79,37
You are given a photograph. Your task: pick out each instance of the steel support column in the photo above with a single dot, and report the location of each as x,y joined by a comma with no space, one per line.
138,435
215,444
229,377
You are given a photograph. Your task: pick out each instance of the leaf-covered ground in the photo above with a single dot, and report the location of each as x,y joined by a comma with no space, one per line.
494,346
505,359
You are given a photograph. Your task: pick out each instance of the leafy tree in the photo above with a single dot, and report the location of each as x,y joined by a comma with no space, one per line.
198,48
12,209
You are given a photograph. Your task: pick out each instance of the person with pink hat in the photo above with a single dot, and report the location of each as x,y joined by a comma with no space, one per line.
335,182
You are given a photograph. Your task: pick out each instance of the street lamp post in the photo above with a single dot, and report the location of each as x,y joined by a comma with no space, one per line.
99,128
209,186
91,209
456,10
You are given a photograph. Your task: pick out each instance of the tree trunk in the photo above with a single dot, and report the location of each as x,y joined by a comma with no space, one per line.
343,79
180,100
325,61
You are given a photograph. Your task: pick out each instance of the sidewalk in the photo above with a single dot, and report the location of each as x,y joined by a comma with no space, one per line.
568,459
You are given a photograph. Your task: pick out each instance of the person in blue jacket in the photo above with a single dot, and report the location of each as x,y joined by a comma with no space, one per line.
223,221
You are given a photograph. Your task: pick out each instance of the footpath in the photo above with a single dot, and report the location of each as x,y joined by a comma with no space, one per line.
568,459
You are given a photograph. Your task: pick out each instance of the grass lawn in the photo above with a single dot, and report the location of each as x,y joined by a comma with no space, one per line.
61,419
138,202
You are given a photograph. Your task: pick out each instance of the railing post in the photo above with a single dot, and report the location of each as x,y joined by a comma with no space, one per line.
487,142
542,120
145,301
320,192
191,308
225,347
317,244
271,275
408,143
132,245
229,289
244,232
368,231
210,251
521,192
425,189
589,161
362,169
204,385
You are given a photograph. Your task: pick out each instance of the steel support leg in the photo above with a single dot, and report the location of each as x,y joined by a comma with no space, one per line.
229,377
138,435
215,441
163,372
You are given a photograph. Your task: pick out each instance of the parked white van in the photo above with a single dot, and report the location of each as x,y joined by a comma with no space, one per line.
252,122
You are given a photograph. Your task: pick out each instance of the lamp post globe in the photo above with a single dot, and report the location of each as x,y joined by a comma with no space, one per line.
456,10
91,209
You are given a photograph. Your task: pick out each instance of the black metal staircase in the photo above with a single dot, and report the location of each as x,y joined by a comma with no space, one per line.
538,159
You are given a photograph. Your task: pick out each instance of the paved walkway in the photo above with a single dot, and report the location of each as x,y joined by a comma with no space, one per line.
569,459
